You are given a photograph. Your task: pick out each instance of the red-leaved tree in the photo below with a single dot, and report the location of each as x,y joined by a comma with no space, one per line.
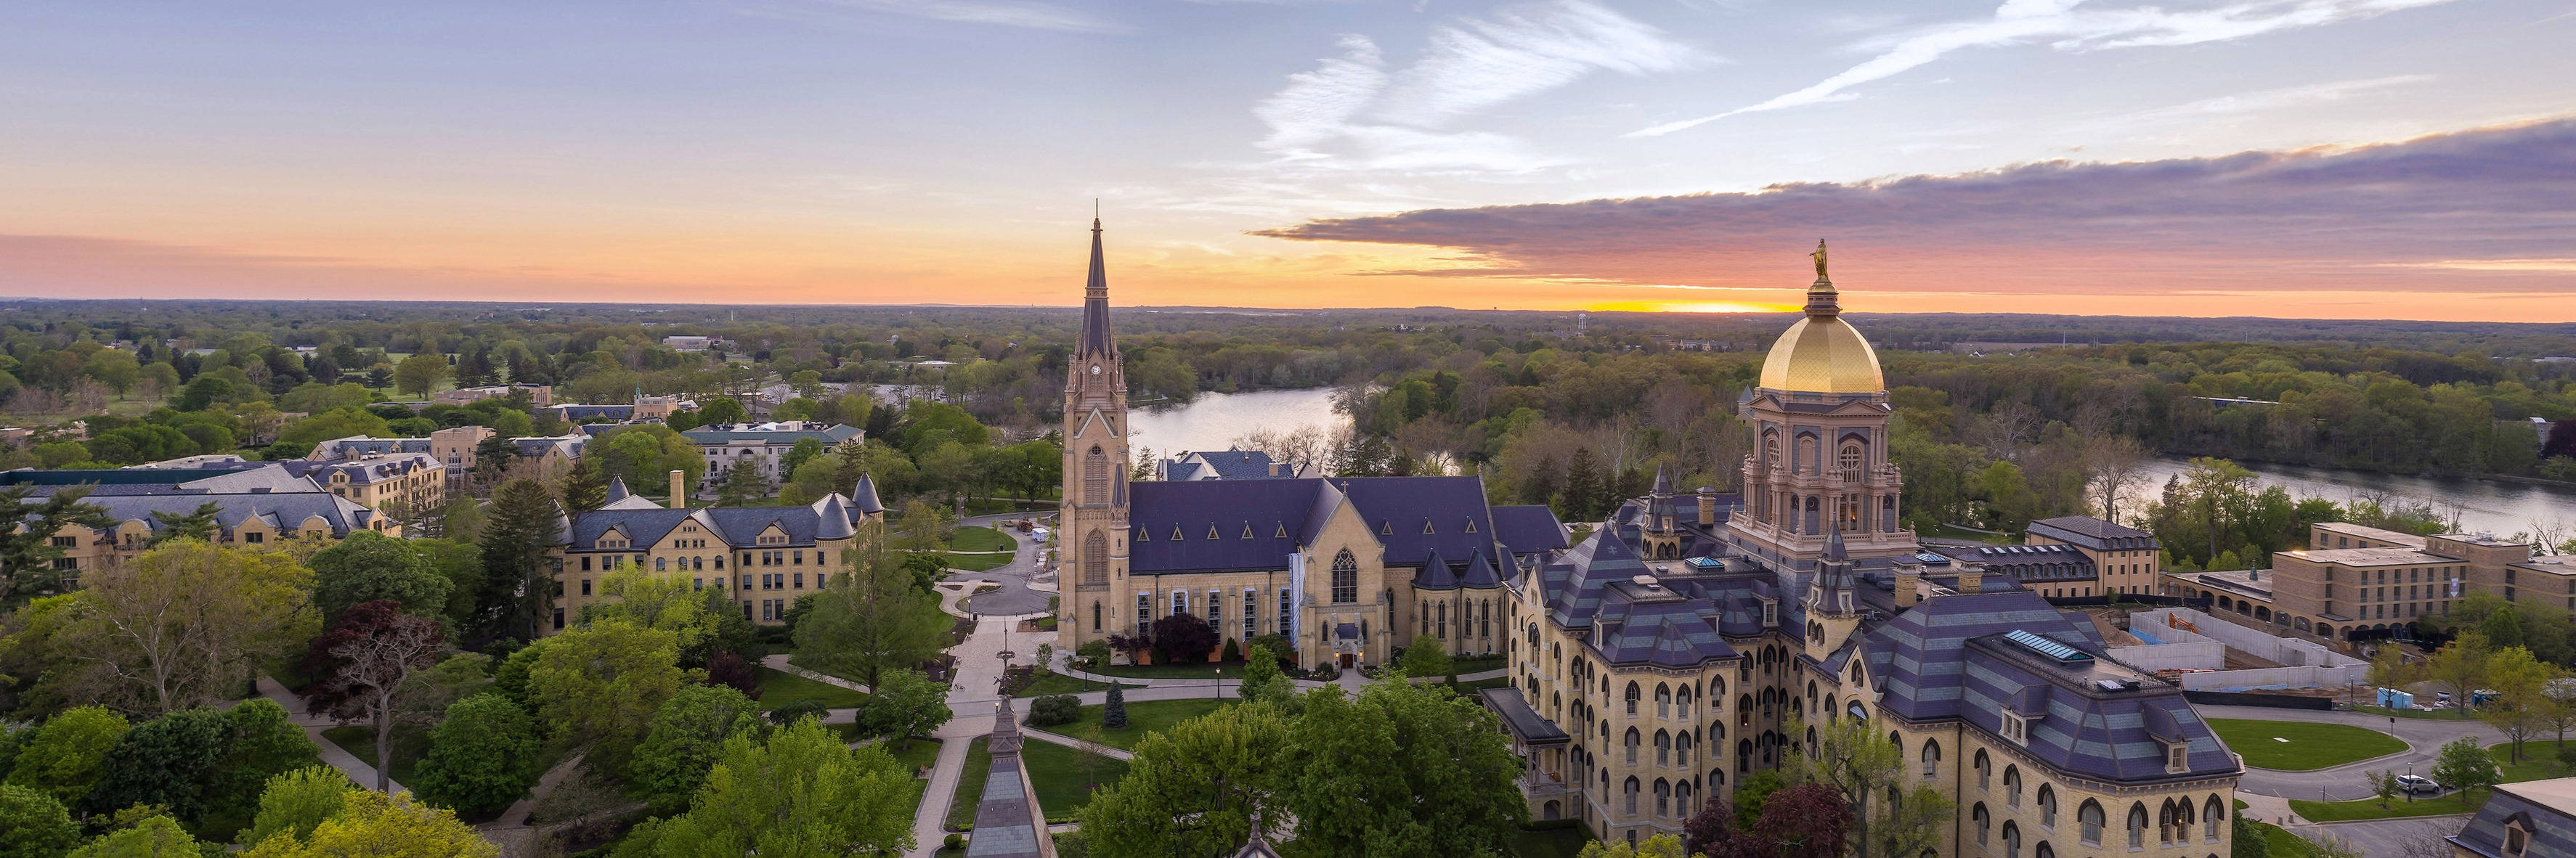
1181,638
360,664
727,669
1806,821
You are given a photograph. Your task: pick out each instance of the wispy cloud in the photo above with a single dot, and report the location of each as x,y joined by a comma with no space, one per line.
2060,25
1355,110
2446,213
1003,13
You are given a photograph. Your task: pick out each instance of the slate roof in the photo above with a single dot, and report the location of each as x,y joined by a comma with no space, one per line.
1173,521
1238,464
1948,658
2092,533
373,469
736,527
282,511
863,497
119,476
1528,529
1435,574
2024,562
833,434
1481,574
1572,586
2546,808
1524,721
1669,632
593,412
1176,470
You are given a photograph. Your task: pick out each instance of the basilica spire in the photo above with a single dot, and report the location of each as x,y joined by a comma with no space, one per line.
1095,303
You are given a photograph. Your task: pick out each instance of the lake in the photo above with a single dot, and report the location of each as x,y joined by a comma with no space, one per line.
1214,420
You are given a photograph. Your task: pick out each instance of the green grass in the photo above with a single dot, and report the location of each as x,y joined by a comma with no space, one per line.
920,755
2539,761
1551,843
1064,780
1142,718
2278,842
801,661
1057,683
2310,745
980,539
2368,808
1477,663
779,688
1199,670
410,744
977,562
970,785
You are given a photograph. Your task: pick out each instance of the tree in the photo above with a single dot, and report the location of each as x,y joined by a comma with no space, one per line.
518,583
2461,665
1915,825
181,625
197,524
2522,705
295,802
1752,792
799,792
1806,821
204,766
871,618
1182,638
599,685
481,758
2465,766
1261,677
62,759
1858,762
421,373
686,739
371,654
27,529
1113,710
382,826
583,488
1711,831
2245,838
1402,769
903,703
150,837
1195,789
34,825
366,566
2383,783
1657,846
1583,486
730,671
743,483
1426,657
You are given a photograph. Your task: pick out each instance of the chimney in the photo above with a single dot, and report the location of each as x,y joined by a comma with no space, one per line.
1274,469
1972,577
679,490
1907,576
1707,507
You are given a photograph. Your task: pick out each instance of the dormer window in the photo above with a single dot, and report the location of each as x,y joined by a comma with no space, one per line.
2517,838
1144,536
1426,525
2177,757
1176,533
2016,728
1471,525
1212,531
1283,532
1770,612
1384,529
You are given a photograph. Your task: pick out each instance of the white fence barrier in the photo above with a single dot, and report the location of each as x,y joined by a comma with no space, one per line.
2306,664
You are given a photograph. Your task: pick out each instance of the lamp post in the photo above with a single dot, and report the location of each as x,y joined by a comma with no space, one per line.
1217,689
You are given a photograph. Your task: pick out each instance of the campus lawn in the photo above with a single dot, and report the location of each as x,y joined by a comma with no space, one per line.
977,562
1142,717
1057,683
779,688
410,744
1476,664
920,756
801,661
980,539
1064,780
970,784
2309,745
2368,808
2539,761
1195,670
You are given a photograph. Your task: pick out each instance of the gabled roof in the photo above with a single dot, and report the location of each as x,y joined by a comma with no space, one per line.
1528,529
1435,574
283,511
1481,574
735,527
1162,510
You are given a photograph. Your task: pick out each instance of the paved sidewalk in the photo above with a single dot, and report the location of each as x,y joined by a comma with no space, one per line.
1350,679
973,698
2423,736
1016,596
362,772
778,662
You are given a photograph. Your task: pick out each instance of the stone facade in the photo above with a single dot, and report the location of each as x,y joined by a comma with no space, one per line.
2357,583
761,557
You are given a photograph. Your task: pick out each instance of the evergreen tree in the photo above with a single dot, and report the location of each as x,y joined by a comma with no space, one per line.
1113,713
197,524
1540,486
27,529
743,483
850,461
1583,487
518,588
583,489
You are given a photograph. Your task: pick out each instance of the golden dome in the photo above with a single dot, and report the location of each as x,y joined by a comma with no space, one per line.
1822,353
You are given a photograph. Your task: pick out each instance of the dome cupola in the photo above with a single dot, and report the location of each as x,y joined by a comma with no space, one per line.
1822,353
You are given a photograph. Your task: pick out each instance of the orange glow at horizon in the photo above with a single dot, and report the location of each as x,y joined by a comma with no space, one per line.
1691,307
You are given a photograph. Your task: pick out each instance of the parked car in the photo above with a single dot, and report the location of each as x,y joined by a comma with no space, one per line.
2415,784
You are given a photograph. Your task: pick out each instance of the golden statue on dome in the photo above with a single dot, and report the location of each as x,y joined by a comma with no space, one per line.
1819,256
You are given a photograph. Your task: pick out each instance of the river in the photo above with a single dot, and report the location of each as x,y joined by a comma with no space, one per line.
1214,420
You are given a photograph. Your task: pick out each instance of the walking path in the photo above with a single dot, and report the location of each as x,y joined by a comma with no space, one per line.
511,830
359,771
973,698
1016,596
1350,680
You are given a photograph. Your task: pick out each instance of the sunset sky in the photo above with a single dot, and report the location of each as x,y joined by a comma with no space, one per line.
2407,159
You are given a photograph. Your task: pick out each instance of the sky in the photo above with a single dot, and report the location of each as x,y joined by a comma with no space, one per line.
2409,159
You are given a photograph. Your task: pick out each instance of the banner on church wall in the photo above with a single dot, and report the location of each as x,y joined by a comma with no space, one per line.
1297,586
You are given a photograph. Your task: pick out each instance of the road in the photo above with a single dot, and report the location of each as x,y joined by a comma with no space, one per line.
2424,738
1015,597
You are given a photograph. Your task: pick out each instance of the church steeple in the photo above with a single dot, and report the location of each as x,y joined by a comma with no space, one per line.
1096,339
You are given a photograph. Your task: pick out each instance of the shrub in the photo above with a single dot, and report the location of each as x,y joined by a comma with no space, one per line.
1093,653
1054,709
796,710
953,841
1232,651
1114,713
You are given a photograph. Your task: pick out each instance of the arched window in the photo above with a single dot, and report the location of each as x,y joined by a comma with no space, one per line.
2137,825
1663,797
2012,840
2047,807
1682,798
2012,786
1631,793
1633,694
2043,850
1632,746
2088,818
1849,462
1095,476
1681,750
1663,748
1682,703
1931,758
1744,710
1663,701
2212,813
1095,616
1979,819
1984,767
1346,578
1095,559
